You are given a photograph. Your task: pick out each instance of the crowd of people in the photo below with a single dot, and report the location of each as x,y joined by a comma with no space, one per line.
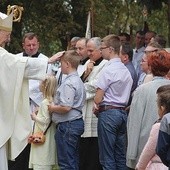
106,106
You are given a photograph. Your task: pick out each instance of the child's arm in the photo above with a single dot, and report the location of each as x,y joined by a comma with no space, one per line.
99,96
59,108
42,118
97,100
33,116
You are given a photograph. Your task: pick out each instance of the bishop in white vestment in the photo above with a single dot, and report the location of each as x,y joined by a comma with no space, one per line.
15,121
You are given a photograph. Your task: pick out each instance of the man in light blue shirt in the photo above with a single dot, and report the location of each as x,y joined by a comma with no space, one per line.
112,95
138,51
67,112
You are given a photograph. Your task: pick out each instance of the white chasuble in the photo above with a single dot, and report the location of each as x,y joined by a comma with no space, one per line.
15,121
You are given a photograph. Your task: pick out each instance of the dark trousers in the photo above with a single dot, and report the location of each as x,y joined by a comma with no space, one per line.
89,154
22,161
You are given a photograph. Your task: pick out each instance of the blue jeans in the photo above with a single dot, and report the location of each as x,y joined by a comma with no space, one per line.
112,139
67,138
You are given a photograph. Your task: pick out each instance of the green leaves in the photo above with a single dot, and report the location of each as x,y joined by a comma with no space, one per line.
56,22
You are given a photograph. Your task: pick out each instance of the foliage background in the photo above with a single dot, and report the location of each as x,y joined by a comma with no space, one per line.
56,21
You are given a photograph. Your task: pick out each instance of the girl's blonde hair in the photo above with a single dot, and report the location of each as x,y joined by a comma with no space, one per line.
49,87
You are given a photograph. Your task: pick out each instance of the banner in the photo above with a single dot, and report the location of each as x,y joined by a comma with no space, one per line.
88,28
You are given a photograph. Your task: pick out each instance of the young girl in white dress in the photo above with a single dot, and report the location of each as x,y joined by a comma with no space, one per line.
43,156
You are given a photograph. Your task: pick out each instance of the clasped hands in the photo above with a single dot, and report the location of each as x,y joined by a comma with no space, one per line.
90,66
88,70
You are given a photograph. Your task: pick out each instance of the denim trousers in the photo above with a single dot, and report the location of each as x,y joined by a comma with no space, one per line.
67,139
112,139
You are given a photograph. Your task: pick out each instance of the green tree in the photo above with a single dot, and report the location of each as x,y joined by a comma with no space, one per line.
53,21
163,9
56,22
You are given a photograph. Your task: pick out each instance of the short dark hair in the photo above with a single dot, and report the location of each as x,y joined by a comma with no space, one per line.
151,32
161,40
163,88
140,32
164,100
127,49
126,35
112,41
30,36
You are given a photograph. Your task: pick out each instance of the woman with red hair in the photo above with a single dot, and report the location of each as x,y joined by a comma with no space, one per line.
143,110
159,62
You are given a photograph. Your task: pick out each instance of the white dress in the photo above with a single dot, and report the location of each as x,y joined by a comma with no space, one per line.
44,154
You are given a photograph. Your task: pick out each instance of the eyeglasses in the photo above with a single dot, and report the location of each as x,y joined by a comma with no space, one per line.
143,61
102,48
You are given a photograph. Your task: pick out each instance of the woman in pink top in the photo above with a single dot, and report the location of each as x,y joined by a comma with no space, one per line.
148,159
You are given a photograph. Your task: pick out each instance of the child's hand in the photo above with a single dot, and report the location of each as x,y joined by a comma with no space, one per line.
36,109
33,116
30,139
50,108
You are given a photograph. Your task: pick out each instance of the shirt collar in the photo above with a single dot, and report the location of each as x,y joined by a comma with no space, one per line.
117,59
98,61
34,56
73,73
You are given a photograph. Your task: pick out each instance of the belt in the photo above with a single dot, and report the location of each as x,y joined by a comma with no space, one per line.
109,107
69,121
